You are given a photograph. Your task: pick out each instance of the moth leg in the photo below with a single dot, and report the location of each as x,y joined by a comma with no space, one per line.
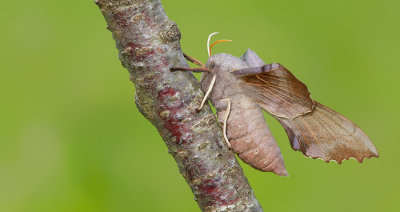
227,112
198,70
193,60
208,91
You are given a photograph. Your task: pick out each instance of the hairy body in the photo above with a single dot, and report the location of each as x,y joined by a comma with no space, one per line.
247,130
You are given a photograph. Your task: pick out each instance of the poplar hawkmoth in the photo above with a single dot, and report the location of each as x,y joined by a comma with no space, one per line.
239,88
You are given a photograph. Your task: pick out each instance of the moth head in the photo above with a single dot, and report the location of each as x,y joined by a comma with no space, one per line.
222,61
225,62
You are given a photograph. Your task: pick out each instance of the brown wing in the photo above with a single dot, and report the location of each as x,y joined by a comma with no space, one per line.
322,133
326,134
276,90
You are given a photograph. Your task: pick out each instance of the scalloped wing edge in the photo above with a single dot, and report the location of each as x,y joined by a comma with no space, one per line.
357,145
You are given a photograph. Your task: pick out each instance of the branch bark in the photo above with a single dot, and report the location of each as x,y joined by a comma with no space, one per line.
148,44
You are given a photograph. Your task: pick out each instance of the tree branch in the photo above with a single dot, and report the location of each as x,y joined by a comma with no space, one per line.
148,44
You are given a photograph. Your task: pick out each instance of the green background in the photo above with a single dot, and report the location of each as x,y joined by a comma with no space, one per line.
72,139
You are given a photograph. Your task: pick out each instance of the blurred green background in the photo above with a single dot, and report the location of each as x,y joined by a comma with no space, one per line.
72,139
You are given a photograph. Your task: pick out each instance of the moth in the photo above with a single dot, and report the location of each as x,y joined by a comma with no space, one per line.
239,88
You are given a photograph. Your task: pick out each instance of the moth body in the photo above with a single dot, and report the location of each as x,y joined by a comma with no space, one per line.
247,130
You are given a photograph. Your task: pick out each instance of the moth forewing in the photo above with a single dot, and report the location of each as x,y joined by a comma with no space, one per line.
276,90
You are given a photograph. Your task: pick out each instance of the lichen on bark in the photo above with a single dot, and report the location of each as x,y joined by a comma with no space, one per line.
148,44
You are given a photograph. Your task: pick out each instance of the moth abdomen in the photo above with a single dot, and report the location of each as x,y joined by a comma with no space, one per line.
251,138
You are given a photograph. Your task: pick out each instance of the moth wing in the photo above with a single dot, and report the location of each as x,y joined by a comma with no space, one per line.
252,59
324,133
276,90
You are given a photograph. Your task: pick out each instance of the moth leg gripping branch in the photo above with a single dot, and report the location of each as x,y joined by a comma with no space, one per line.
201,69
227,112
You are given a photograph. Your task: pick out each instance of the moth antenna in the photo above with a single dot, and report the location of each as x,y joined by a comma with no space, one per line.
218,41
208,43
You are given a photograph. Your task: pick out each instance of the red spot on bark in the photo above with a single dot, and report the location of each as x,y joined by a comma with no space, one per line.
172,121
121,18
215,192
160,50
165,61
209,187
174,129
138,51
166,92
149,20
146,53
133,47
